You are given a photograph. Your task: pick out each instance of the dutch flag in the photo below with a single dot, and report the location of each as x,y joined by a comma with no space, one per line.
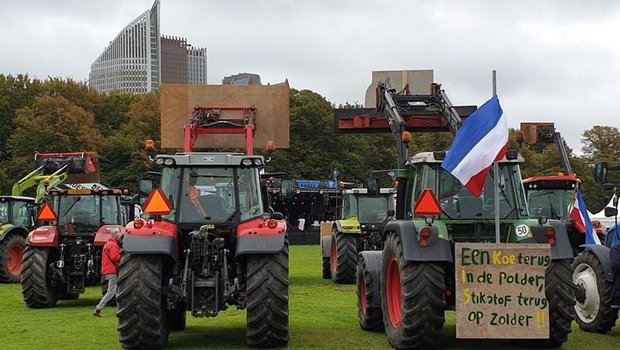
482,139
582,219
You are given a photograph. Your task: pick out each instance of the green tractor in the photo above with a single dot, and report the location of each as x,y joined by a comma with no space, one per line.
364,213
17,218
407,287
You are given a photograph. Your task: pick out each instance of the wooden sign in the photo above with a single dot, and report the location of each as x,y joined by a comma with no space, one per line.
272,113
500,291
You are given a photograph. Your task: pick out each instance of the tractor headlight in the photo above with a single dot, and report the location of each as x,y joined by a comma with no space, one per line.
258,162
169,161
247,161
159,161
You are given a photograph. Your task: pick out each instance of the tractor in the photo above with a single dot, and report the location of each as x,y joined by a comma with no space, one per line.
209,242
408,286
207,239
17,218
593,275
553,196
362,219
17,212
63,255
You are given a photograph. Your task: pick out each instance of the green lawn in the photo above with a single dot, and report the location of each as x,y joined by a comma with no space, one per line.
322,315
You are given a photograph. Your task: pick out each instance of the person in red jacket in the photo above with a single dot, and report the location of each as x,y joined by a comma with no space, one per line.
110,258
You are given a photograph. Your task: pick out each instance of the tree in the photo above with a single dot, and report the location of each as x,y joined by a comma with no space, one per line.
50,124
601,143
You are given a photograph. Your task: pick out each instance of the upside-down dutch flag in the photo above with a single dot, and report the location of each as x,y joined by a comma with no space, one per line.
582,219
482,139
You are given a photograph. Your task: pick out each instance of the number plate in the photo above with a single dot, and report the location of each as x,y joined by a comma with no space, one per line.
79,191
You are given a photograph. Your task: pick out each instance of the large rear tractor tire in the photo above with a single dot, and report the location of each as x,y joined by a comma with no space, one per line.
370,317
11,254
344,257
37,289
267,299
327,272
560,292
593,295
142,313
413,300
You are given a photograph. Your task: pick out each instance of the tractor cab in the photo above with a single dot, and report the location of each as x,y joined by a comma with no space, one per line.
17,211
550,196
81,212
468,218
211,188
369,210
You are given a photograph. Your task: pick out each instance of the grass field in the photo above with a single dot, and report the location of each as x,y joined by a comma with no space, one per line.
322,315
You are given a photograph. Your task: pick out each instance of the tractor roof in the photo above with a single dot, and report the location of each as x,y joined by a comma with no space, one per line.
388,190
571,178
208,159
438,157
86,191
16,198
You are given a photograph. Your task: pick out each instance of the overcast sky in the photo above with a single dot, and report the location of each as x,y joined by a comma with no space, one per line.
555,60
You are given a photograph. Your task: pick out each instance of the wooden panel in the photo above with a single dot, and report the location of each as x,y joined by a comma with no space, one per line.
272,113
500,290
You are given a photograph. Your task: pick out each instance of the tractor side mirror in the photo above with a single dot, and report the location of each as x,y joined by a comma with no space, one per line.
600,172
391,213
373,187
286,188
609,211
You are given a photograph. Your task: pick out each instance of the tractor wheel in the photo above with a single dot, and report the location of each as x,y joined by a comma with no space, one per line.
177,319
412,296
141,308
267,299
593,308
11,253
370,318
327,273
343,258
37,289
560,292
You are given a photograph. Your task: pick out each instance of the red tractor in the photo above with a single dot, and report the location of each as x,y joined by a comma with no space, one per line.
209,243
208,240
63,255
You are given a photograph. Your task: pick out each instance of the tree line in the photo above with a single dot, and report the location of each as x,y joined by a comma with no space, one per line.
63,115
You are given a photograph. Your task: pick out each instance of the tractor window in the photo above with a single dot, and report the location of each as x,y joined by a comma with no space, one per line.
4,212
21,214
375,209
349,208
78,213
207,195
250,201
552,204
109,210
170,180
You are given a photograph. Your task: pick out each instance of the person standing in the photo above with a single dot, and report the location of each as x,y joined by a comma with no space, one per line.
110,258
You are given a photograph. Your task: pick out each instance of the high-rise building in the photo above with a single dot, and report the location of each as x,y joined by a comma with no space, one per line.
139,59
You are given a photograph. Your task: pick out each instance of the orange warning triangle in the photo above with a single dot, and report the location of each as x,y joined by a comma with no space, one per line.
47,213
427,204
157,203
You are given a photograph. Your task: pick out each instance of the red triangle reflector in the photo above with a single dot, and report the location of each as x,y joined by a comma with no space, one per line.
427,204
47,213
157,203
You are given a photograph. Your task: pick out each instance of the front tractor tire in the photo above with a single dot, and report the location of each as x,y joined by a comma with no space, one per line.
142,322
267,299
343,258
37,289
11,254
593,295
412,296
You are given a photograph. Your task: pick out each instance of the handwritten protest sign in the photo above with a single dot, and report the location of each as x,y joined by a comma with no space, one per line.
500,291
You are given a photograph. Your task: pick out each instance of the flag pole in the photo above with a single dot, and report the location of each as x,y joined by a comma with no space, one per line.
496,175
